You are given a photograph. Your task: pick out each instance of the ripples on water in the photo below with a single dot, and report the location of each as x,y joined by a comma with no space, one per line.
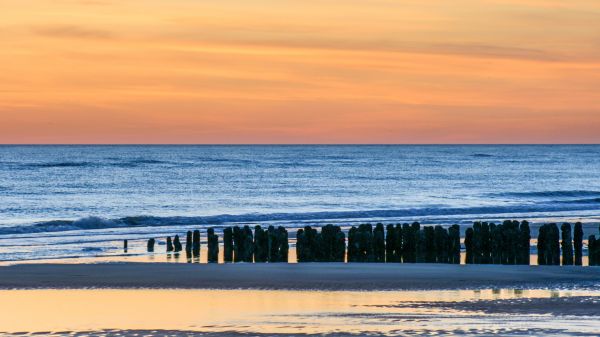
100,193
300,313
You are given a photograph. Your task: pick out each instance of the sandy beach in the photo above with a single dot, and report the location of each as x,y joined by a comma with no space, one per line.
322,276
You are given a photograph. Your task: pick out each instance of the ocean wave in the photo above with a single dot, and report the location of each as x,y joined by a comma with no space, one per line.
91,223
583,201
549,194
481,155
58,164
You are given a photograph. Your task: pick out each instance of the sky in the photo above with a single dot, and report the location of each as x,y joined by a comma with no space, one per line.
299,71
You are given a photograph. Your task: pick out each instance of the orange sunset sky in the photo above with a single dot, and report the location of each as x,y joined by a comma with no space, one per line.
299,71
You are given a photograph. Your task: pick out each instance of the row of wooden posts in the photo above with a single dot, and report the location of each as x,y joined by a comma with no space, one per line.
485,243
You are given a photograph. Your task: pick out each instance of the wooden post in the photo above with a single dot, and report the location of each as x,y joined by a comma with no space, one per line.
524,243
196,244
227,244
261,245
150,246
125,246
379,244
169,244
213,246
541,245
454,234
177,244
283,245
567,245
188,245
578,243
592,243
555,244
248,251
469,245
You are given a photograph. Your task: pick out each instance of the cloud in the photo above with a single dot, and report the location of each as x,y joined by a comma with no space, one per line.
72,31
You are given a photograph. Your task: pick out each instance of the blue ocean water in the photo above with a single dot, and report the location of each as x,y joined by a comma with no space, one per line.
101,193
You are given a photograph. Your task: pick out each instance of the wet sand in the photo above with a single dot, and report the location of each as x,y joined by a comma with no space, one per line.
320,276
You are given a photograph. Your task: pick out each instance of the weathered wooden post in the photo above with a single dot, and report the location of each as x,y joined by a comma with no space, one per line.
469,245
578,243
390,244
238,244
261,244
196,244
541,245
567,245
150,246
555,244
476,243
486,245
454,237
283,245
419,242
524,243
441,243
408,244
177,244
340,245
213,246
300,245
248,244
169,244
188,245
379,243
125,246
227,245
352,244
592,243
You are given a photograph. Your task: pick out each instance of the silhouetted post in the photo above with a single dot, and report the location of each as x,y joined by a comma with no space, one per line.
188,245
379,243
486,244
567,245
339,253
228,244
248,244
390,244
300,245
469,245
524,244
196,244
496,243
419,242
352,244
150,245
429,244
238,244
213,246
454,237
169,244
578,243
555,244
261,244
125,246
442,244
408,244
541,245
283,245
476,243
177,244
592,248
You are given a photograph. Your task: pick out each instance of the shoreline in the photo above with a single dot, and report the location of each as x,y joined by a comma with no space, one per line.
307,276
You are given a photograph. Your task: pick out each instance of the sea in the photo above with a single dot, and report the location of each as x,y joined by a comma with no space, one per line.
74,202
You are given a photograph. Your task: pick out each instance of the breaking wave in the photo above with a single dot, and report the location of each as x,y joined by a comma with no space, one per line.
91,223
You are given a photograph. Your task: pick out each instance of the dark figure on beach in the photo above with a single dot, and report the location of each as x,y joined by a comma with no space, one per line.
177,244
227,244
125,246
593,250
213,246
150,246
261,245
578,243
567,245
248,251
169,244
283,245
238,244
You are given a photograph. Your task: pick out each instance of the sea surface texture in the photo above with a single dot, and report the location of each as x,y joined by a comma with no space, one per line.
95,194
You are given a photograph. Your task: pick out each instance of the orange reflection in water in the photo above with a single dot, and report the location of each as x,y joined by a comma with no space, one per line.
224,310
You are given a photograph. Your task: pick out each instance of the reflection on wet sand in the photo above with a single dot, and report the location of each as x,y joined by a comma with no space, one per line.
256,312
